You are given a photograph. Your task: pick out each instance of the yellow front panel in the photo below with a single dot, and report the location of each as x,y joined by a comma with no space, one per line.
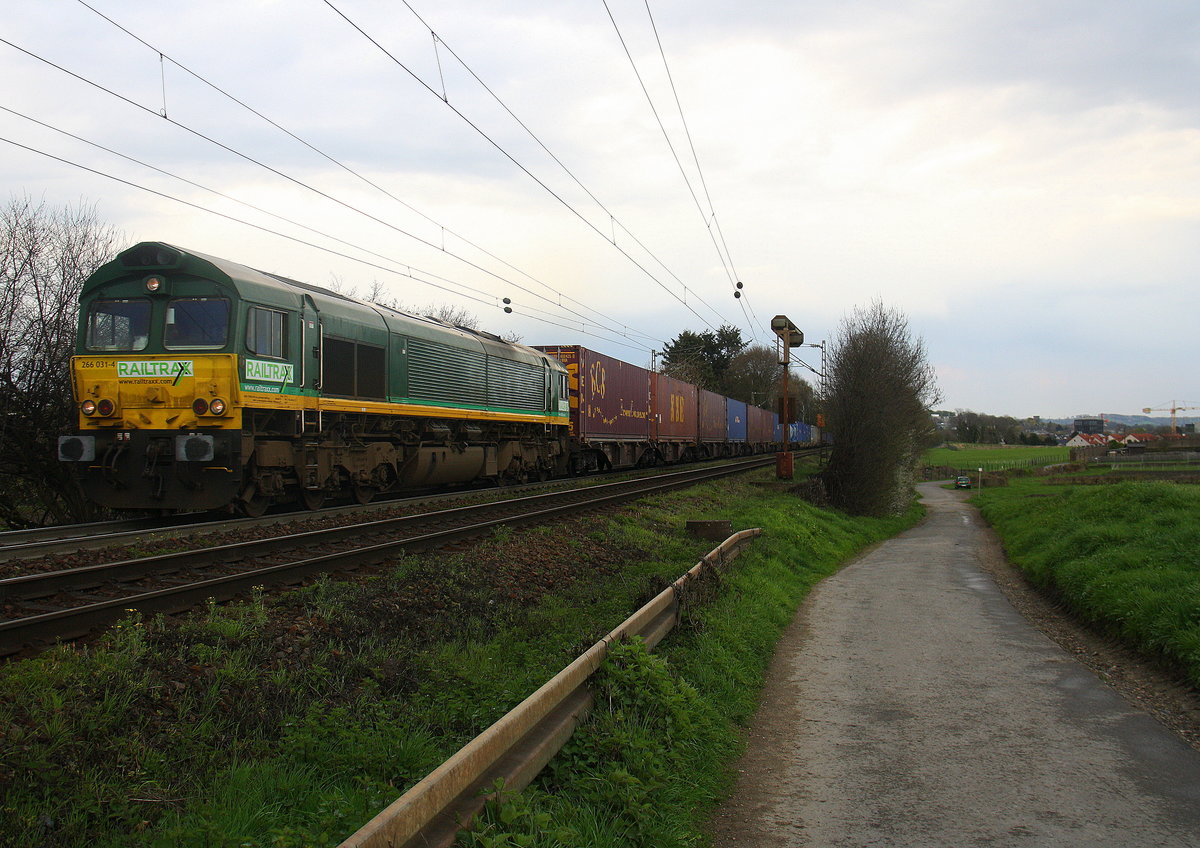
157,392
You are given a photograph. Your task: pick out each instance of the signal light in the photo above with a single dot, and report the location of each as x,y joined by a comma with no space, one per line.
88,407
106,407
200,406
217,407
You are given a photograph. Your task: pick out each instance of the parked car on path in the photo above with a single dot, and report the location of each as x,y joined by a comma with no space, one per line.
962,482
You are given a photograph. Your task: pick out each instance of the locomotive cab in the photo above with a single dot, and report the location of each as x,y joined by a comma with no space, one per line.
154,378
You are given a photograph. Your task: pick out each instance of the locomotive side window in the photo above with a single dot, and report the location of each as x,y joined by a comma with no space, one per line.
197,322
118,325
266,332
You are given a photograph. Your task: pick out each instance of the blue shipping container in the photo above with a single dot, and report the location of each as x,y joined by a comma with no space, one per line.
735,417
798,433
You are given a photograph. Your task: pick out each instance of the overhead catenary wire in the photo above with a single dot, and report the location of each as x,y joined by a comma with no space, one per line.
287,177
525,309
410,271
667,138
374,42
612,217
333,160
709,218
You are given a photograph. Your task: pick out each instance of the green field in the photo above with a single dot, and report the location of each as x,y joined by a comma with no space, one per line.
995,457
1124,557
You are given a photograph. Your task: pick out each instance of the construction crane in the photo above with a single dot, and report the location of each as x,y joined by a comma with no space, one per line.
1173,408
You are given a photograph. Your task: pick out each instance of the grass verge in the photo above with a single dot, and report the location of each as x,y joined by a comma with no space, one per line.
1123,557
652,760
995,457
289,720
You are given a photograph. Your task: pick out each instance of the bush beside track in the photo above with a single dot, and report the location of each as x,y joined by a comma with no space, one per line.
290,720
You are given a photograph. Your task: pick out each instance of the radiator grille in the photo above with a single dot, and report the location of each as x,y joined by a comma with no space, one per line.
516,385
445,374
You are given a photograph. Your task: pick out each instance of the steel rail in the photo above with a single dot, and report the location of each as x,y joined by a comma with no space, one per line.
18,633
35,541
67,538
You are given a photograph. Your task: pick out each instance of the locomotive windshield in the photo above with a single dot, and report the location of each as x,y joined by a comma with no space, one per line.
118,325
197,322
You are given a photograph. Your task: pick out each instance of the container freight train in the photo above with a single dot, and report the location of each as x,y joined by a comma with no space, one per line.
623,415
204,384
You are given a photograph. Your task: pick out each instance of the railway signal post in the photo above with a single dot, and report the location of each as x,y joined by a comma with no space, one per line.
790,336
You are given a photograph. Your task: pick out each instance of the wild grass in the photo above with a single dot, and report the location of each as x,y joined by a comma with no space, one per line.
995,457
1125,557
652,760
291,720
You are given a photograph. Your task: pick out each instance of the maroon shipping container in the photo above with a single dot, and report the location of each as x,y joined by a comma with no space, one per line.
610,399
760,426
712,416
674,404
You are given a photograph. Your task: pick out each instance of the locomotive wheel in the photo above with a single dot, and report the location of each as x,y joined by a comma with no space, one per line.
363,494
255,506
312,498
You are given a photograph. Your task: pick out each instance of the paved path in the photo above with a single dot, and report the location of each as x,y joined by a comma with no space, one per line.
910,705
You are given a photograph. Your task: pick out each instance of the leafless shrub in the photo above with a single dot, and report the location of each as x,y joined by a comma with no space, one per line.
879,391
45,255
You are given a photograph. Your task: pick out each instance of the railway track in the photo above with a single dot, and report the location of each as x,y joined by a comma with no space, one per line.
40,608
68,538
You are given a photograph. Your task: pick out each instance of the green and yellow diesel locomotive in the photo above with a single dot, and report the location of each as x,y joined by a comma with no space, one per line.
204,384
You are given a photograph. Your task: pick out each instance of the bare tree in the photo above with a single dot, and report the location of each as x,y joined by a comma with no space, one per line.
756,376
458,316
45,255
879,390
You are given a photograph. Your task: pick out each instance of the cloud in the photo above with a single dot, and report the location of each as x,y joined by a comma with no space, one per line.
1020,179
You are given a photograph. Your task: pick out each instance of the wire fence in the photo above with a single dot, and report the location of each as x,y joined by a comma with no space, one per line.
956,470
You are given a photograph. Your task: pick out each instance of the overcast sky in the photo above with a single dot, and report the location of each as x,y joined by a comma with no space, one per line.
1020,179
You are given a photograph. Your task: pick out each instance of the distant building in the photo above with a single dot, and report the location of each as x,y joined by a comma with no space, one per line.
1084,440
1089,425
1138,438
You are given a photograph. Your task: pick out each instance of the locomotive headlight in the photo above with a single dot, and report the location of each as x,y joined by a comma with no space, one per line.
88,407
217,407
154,283
106,407
200,406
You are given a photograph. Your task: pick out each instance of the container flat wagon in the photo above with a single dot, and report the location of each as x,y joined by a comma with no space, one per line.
760,428
711,424
610,422
675,430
